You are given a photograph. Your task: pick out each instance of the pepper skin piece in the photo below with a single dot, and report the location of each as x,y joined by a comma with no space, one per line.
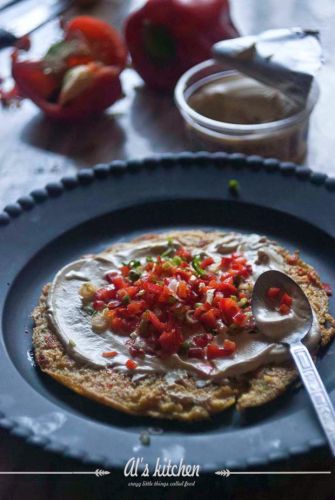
104,41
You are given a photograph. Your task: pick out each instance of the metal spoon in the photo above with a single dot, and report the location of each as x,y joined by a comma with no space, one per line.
290,330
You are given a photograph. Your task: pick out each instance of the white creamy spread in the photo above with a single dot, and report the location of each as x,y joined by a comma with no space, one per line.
73,325
277,326
239,99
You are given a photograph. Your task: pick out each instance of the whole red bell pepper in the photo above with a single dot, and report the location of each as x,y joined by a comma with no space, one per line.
79,76
166,37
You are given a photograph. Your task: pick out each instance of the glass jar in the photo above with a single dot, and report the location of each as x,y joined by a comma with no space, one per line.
284,138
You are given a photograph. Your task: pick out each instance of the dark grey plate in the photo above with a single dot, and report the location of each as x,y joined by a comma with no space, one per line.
110,203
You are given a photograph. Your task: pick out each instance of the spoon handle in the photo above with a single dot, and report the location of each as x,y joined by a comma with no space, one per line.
316,390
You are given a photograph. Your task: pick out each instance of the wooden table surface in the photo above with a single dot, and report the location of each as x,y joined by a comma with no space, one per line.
34,151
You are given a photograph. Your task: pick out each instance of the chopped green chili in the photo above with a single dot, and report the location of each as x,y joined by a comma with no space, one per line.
196,265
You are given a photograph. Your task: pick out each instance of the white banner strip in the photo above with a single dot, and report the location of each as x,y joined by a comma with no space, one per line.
97,473
227,472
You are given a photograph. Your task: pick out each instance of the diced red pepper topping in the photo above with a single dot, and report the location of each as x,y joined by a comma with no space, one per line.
136,307
184,254
176,302
156,323
284,309
273,293
280,299
170,342
98,305
125,270
121,325
229,345
110,275
118,282
109,354
208,261
286,299
240,319
200,310
202,340
229,308
209,318
214,351
105,294
183,290
226,262
227,289
131,364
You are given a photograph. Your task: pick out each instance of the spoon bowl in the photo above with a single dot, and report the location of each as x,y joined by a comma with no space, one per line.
285,329
290,329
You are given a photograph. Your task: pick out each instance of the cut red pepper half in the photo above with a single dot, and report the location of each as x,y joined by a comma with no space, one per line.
79,76
102,90
166,37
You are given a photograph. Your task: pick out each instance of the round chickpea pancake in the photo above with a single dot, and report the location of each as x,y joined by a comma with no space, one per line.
162,326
